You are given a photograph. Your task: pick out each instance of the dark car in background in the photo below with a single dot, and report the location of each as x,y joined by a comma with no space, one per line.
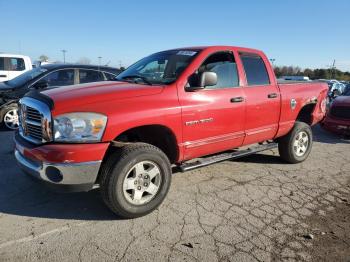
337,119
46,77
347,89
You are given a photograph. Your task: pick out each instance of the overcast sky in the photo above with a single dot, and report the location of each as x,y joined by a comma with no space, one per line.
301,33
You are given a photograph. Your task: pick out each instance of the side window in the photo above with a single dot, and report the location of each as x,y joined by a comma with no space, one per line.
63,77
87,76
224,65
255,70
2,63
15,64
109,76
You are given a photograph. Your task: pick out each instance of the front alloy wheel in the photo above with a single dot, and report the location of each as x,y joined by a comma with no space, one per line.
142,183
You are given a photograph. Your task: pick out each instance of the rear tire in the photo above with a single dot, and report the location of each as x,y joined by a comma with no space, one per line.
296,146
135,180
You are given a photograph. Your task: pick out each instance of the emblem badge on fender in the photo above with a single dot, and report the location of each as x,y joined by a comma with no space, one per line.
293,103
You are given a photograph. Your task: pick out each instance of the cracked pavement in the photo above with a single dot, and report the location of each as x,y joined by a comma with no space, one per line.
253,209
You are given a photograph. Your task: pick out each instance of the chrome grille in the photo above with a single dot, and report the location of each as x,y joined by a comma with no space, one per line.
33,115
35,121
32,123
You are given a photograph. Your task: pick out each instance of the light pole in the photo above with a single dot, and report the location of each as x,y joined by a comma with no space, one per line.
64,55
99,60
272,60
333,69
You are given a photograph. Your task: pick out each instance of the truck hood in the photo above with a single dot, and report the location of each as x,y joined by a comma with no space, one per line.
71,96
342,101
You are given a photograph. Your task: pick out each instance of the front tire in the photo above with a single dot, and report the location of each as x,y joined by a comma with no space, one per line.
296,146
135,180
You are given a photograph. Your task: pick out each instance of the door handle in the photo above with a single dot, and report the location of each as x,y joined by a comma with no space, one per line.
3,75
238,99
272,95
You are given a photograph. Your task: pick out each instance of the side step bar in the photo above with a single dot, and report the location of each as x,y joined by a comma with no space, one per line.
225,156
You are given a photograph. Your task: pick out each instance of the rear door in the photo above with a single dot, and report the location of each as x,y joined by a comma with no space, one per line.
213,117
262,99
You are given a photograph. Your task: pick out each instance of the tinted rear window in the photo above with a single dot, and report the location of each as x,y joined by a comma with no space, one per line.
255,70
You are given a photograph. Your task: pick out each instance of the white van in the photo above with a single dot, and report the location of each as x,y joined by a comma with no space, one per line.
12,66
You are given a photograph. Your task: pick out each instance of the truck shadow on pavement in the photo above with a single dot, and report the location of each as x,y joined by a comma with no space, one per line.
21,196
25,197
261,158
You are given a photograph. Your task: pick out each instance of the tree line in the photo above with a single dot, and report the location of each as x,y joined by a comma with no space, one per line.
319,73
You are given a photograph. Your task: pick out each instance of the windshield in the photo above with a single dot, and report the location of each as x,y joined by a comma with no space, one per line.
25,77
160,68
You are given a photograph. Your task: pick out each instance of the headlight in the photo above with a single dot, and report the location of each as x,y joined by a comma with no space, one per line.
79,127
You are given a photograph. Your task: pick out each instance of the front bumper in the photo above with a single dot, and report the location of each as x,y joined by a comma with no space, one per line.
65,168
71,177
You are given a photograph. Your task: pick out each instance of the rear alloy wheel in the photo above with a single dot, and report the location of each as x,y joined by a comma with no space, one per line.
296,146
10,119
301,144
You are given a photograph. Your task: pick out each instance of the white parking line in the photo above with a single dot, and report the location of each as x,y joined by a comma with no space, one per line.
34,237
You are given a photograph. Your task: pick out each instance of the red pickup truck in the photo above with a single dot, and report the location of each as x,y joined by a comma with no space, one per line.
186,107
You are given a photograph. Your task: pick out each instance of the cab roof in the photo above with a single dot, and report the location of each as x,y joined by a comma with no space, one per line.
200,48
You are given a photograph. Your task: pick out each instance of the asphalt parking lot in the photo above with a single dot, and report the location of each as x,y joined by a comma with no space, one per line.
254,209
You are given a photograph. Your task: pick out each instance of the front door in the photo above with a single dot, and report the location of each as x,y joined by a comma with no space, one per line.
213,117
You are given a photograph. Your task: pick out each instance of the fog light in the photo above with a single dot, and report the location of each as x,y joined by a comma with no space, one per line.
54,174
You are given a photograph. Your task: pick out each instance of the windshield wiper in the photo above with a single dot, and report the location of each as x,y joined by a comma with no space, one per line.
144,79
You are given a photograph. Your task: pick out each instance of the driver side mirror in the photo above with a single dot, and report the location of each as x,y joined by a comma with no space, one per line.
41,84
197,82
